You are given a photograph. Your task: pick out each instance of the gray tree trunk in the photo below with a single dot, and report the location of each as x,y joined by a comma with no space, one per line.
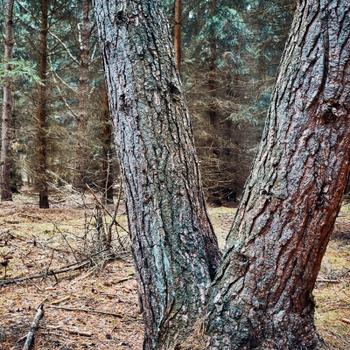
262,296
174,248
5,159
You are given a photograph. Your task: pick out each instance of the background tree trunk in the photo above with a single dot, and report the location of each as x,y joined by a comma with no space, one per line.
82,149
174,248
212,81
41,118
177,33
262,296
5,160
107,140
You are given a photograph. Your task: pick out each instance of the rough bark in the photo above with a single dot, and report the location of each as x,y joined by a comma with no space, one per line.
5,159
262,296
41,113
174,248
177,33
82,154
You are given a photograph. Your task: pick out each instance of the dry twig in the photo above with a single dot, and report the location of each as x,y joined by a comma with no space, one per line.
33,328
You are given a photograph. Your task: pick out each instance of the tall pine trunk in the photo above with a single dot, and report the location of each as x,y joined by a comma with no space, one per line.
5,159
177,33
108,170
262,296
41,114
174,247
82,153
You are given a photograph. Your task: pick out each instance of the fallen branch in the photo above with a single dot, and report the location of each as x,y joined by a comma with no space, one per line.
33,328
47,273
77,309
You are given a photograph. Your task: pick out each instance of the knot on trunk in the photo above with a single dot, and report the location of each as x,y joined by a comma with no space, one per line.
331,111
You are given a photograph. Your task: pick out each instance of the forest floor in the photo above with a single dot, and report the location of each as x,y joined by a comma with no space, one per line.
96,307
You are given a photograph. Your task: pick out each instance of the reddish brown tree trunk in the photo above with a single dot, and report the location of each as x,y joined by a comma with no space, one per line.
177,33
107,157
212,81
6,137
262,296
41,114
82,147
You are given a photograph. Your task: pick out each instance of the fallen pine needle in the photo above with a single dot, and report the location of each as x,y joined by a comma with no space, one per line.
70,330
345,320
59,301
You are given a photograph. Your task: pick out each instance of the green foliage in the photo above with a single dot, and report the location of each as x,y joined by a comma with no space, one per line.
20,70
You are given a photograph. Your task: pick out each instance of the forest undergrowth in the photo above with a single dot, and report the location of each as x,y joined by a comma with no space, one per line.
94,304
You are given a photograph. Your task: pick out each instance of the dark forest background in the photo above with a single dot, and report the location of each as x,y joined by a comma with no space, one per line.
230,55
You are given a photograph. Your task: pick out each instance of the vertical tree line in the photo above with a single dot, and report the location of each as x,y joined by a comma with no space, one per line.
41,114
58,131
83,115
178,33
6,127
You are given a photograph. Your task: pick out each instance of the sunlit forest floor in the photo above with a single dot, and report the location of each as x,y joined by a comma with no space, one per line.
97,307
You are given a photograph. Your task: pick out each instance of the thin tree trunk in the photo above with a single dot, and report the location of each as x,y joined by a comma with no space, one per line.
107,135
212,81
5,160
262,296
175,251
82,154
41,117
177,33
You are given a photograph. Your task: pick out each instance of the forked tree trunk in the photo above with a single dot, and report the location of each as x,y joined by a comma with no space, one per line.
41,114
177,33
262,296
5,159
174,248
82,154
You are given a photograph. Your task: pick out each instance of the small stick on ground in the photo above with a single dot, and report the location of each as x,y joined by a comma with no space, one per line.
59,301
327,280
33,328
69,308
70,330
345,320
